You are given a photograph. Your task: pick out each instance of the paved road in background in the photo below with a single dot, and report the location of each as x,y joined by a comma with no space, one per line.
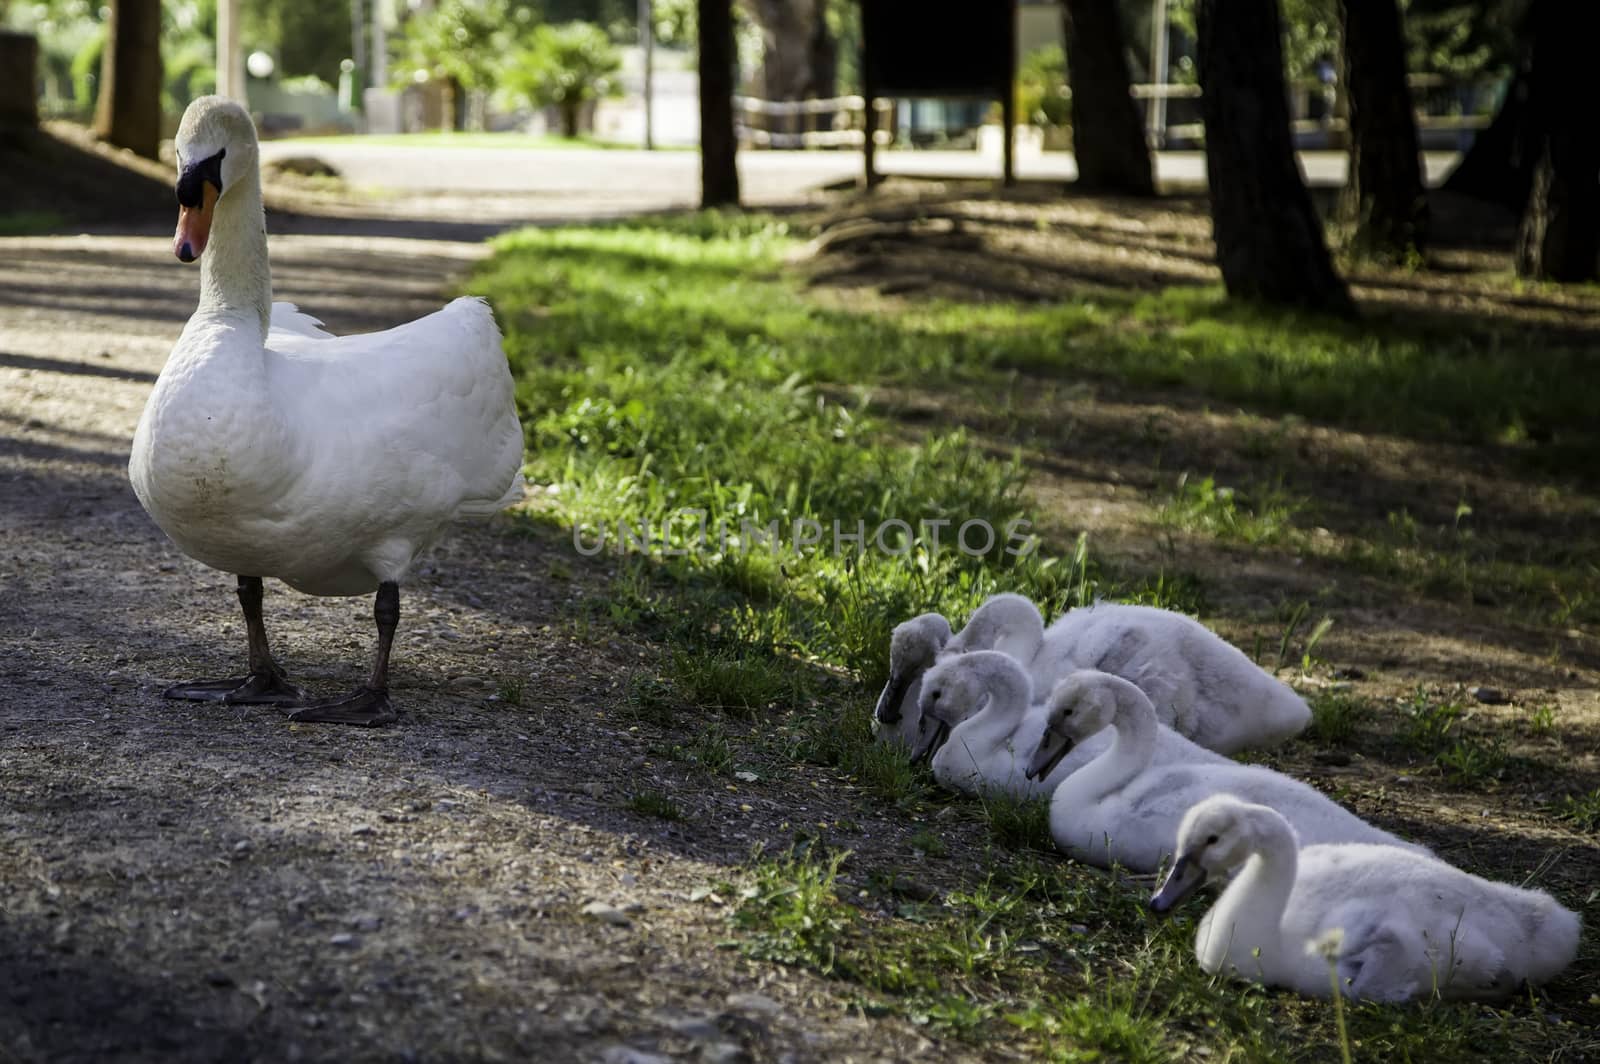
639,180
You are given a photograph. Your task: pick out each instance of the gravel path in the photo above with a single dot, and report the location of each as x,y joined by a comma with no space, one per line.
184,882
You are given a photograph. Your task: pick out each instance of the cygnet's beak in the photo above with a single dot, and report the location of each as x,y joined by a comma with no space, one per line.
1186,877
198,188
894,693
1052,748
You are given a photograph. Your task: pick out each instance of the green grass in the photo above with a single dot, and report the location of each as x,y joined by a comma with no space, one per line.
657,804
1335,717
672,379
29,223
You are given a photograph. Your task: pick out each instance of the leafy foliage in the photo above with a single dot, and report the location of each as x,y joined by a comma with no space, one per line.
565,67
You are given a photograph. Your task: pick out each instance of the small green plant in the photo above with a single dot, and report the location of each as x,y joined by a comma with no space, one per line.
1262,516
791,910
1581,809
1471,760
1427,724
1334,717
929,843
511,691
736,682
648,698
1542,719
1018,823
711,749
657,804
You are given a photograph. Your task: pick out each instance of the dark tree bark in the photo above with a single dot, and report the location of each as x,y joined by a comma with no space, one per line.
1269,240
1385,192
1559,239
19,66
1107,132
799,56
129,111
1498,167
719,172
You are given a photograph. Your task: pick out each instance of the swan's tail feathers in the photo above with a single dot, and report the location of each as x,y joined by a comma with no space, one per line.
483,508
286,317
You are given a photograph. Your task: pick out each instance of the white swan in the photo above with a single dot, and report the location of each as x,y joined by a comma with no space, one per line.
1120,807
271,448
1006,622
1396,925
984,727
1204,687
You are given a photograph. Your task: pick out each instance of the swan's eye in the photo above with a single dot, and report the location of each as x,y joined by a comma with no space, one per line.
1211,840
934,696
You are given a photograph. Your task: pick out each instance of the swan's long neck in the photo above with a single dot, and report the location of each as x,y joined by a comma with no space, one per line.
1246,924
1009,693
1009,624
235,279
1135,731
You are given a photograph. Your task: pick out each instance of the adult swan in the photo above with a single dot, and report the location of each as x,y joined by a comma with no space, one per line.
272,448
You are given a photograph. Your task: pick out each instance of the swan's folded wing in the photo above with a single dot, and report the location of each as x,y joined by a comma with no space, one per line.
425,410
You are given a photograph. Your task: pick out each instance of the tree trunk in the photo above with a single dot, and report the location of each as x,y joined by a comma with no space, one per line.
19,67
1269,240
1498,167
129,112
1107,132
569,119
798,55
1385,192
719,172
1559,239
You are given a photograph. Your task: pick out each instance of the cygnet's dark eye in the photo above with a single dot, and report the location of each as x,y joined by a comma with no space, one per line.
1211,840
1067,712
934,695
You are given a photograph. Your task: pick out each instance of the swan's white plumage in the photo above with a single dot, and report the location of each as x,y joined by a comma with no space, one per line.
1407,923
986,700
271,448
1203,687
1122,807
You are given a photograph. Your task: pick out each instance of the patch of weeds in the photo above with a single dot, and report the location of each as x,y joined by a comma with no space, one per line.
650,699
1261,516
1581,809
792,912
1291,624
1091,1027
1470,760
1427,725
929,843
1018,823
511,691
1542,719
711,749
727,681
657,804
1334,717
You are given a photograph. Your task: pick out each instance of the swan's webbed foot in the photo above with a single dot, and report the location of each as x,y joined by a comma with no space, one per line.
366,707
267,688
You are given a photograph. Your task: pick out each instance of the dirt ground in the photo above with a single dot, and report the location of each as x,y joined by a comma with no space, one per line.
184,882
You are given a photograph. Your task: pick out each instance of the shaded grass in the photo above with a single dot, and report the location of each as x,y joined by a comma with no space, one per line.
693,414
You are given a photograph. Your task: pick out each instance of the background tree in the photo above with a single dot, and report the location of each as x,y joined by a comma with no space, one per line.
1107,131
565,67
129,110
719,171
799,56
1269,240
461,44
1559,238
1385,191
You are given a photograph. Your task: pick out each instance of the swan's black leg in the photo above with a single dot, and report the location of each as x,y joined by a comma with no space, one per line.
267,683
369,704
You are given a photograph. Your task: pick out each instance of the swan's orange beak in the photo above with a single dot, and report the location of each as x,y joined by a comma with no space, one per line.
194,225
